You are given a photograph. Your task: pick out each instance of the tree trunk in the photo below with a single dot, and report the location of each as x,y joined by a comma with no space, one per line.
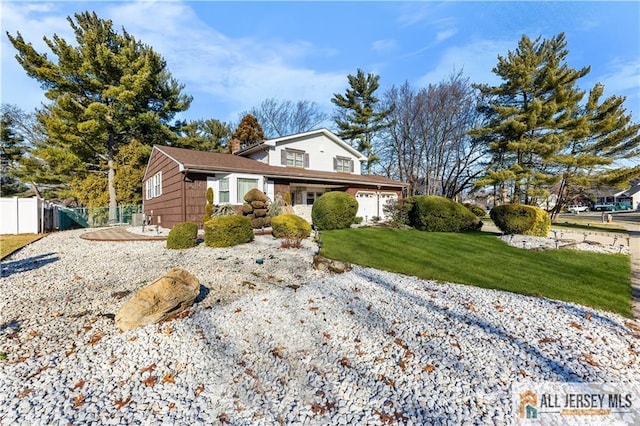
113,203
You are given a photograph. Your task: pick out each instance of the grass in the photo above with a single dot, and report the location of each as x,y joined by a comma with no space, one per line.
600,281
10,243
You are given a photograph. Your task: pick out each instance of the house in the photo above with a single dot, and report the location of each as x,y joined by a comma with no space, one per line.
305,165
630,196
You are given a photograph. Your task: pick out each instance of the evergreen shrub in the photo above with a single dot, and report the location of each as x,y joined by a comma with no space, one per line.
334,210
226,231
439,214
182,236
290,226
521,219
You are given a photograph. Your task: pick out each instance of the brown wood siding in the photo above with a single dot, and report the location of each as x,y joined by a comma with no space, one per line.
168,206
195,197
281,187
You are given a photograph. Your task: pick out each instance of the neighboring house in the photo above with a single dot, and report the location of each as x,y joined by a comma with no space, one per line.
305,165
630,196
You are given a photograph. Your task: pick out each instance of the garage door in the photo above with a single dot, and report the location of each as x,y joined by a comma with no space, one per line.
371,204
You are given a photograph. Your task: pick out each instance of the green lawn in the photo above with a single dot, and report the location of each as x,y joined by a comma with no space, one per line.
480,259
11,243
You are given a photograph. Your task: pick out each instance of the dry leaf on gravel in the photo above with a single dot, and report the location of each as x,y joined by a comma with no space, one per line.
198,390
148,369
78,385
95,338
24,392
575,325
591,360
150,381
78,401
429,368
119,403
169,378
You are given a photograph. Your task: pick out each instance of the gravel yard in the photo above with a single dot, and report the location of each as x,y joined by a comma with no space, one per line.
279,342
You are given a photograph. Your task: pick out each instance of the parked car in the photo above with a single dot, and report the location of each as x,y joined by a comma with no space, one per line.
622,206
605,207
611,207
577,209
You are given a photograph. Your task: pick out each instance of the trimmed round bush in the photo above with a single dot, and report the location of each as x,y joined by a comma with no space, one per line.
521,219
182,236
226,231
290,226
439,214
334,210
255,195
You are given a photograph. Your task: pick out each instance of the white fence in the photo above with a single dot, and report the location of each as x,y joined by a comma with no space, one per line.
26,215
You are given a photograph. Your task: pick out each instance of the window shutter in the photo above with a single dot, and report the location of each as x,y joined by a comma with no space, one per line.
283,157
351,166
335,163
306,161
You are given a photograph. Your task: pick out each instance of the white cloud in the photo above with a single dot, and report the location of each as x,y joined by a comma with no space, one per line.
623,79
224,75
33,21
384,46
475,60
236,72
446,34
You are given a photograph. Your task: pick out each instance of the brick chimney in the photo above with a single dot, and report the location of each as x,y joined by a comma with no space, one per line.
235,145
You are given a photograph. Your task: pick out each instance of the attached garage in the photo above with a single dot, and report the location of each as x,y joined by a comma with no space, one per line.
371,203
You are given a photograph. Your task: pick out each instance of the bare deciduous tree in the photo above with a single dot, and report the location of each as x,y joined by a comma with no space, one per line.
427,144
281,118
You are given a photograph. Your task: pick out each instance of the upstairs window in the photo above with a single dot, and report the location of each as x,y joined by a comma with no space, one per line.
294,158
344,165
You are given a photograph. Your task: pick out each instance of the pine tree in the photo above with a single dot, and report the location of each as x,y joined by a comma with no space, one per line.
531,116
248,132
12,148
204,135
540,133
357,116
604,134
106,91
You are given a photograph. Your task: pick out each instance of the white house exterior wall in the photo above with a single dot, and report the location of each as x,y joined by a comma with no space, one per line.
265,186
321,150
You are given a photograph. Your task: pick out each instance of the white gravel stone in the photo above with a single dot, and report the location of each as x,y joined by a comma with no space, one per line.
278,341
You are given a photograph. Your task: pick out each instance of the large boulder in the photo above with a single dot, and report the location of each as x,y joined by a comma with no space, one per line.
166,296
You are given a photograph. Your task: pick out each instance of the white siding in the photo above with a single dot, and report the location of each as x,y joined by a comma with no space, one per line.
213,182
321,150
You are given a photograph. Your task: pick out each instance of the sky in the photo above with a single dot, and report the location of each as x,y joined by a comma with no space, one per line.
231,56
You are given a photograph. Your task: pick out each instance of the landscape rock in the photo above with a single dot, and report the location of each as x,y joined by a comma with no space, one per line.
166,296
321,263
